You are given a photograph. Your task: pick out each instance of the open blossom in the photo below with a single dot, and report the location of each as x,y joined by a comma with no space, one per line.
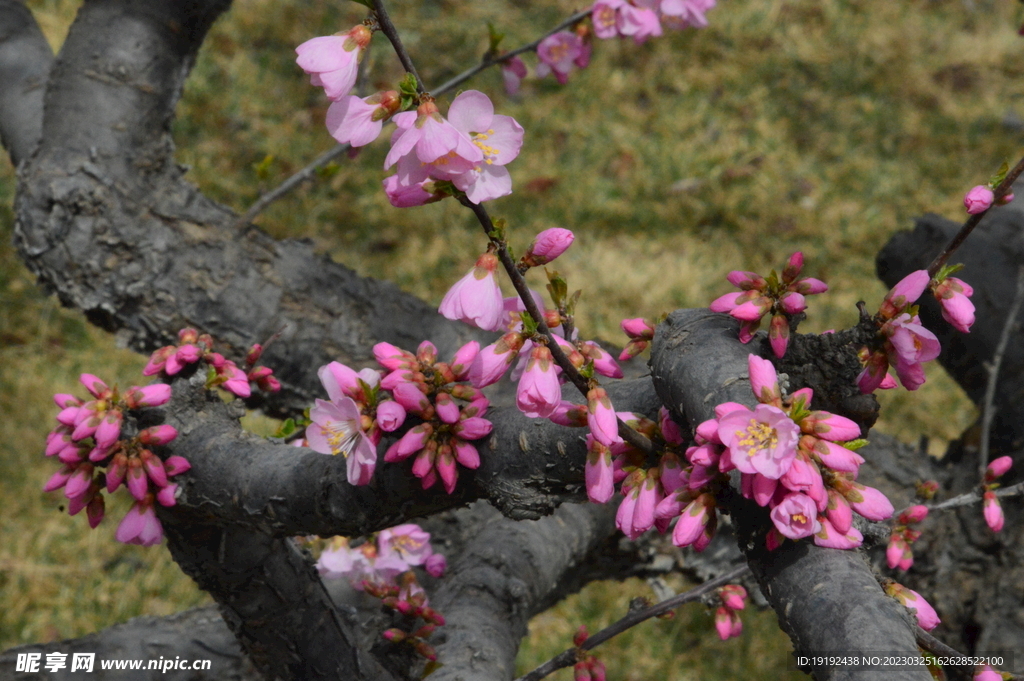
685,13
558,54
333,61
605,18
761,441
358,121
796,516
476,298
639,22
426,133
337,429
499,138
140,525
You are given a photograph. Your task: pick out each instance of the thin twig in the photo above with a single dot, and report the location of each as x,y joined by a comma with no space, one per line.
999,192
323,159
568,657
988,409
631,436
389,30
972,497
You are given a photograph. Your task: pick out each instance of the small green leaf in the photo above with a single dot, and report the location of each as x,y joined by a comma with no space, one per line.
1000,175
948,270
328,171
570,306
558,287
286,429
263,167
407,86
854,445
431,667
587,371
494,37
529,324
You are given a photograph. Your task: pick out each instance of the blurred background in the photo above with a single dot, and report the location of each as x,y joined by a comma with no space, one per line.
815,125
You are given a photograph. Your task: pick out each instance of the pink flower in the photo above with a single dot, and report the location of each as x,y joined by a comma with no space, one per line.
796,516
993,511
557,54
435,565
494,360
476,298
693,521
539,392
598,473
685,13
764,381
512,72
868,502
355,121
761,441
426,133
639,22
605,18
409,542
897,552
148,396
498,138
831,538
727,623
337,429
333,61
416,193
978,200
601,417
390,416
157,435
140,525
904,293
548,245
957,309
413,441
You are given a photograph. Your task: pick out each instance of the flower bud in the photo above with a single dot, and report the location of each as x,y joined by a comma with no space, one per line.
547,246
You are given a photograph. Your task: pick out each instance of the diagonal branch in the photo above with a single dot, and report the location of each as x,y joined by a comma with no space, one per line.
25,60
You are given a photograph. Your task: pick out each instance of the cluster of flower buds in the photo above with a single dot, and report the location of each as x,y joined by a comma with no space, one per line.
798,462
727,617
760,296
927,618
587,667
993,511
640,332
904,343
409,599
432,391
643,19
899,553
194,346
382,558
88,438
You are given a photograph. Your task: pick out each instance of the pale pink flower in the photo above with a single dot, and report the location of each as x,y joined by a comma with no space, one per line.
426,133
409,542
476,298
337,429
512,72
686,12
333,61
416,193
558,53
957,309
639,22
548,245
760,441
904,293
497,138
694,520
978,200
598,472
796,516
993,511
435,565
140,525
494,360
358,121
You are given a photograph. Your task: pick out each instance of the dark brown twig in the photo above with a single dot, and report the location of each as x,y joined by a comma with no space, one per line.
988,408
389,30
568,657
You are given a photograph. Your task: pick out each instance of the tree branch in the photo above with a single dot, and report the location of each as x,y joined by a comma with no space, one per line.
25,60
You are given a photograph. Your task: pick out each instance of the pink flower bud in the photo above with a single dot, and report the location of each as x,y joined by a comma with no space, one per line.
914,514
547,246
997,468
59,479
176,465
494,360
987,673
95,510
473,428
154,467
476,299
149,396
829,537
601,417
463,360
638,328
793,266
444,463
927,618
94,385
694,518
390,416
158,360
993,511
869,502
436,564
165,496
109,429
138,481
116,470
895,551
157,435
392,357
467,455
410,443
733,596
539,393
978,199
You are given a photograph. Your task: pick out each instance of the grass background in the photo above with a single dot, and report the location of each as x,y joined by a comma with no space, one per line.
814,125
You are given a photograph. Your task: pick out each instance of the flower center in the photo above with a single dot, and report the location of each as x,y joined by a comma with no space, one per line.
606,17
480,139
799,518
759,436
341,436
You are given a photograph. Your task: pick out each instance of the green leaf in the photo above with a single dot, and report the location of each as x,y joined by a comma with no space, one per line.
948,270
558,287
529,324
263,167
854,445
570,306
494,37
1000,175
431,667
286,429
587,371
328,171
407,86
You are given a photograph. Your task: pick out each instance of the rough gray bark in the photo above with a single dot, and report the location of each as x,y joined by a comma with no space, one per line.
973,576
25,60
827,600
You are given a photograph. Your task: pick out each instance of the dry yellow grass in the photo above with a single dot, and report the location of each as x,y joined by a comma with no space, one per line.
814,125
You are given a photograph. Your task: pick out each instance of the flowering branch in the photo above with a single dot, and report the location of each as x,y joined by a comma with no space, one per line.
326,157
988,404
630,620
582,384
1001,190
389,30
974,497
